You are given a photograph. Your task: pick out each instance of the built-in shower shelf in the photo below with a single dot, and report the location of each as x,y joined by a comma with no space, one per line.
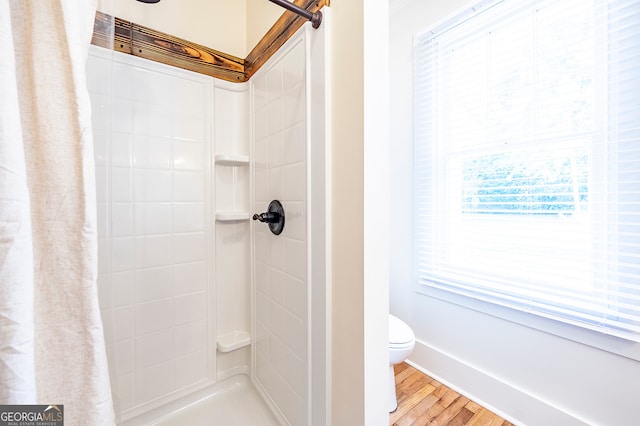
232,216
232,160
234,340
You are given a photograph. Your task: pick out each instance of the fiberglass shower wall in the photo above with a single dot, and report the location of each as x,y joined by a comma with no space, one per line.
280,261
153,144
289,155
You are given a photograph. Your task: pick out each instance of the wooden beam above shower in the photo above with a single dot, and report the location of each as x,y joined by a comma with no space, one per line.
137,40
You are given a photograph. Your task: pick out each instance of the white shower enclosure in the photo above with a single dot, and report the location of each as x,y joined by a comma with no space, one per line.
192,291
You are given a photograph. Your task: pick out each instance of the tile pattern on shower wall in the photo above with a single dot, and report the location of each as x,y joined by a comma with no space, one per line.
152,141
280,261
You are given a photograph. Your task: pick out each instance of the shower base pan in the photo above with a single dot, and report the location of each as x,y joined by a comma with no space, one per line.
232,402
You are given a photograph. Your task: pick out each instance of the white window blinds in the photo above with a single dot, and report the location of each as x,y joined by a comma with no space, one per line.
527,147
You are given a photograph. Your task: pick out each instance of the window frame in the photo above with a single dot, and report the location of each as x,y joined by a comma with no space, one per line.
610,343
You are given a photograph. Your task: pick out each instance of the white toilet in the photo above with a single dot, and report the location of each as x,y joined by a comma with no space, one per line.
401,343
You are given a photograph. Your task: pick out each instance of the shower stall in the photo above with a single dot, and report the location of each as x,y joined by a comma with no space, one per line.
209,317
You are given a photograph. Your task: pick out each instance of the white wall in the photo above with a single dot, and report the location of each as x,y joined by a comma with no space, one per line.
261,15
529,376
359,139
347,216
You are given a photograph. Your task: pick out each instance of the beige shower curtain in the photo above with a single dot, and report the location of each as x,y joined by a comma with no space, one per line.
51,339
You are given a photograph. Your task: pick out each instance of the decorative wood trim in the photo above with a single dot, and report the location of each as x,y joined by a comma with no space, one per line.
278,34
156,46
106,28
122,36
147,43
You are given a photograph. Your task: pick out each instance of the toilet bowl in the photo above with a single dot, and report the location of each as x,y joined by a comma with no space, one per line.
401,343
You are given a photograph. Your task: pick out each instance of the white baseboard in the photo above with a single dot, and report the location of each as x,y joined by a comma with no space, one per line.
502,398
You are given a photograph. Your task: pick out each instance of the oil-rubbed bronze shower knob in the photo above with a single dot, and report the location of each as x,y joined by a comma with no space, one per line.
274,217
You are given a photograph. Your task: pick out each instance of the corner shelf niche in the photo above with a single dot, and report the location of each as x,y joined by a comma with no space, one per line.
232,216
232,160
234,340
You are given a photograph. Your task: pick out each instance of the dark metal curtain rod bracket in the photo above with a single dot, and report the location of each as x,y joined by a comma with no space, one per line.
314,17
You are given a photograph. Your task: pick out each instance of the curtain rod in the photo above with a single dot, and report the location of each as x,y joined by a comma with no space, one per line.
314,17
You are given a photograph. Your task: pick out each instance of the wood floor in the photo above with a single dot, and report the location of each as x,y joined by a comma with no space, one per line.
424,401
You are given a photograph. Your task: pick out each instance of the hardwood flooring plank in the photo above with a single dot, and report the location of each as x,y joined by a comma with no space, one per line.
485,417
398,368
429,416
449,396
451,410
410,402
413,384
402,373
461,418
419,409
473,407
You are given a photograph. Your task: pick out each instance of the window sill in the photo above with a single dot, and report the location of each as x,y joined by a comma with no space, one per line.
608,343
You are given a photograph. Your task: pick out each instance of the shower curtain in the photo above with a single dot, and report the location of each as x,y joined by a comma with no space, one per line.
51,338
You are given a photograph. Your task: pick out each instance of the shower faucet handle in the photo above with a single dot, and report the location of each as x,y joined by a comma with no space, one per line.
274,217
267,217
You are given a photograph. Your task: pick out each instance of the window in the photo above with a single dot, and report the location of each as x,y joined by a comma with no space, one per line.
527,147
